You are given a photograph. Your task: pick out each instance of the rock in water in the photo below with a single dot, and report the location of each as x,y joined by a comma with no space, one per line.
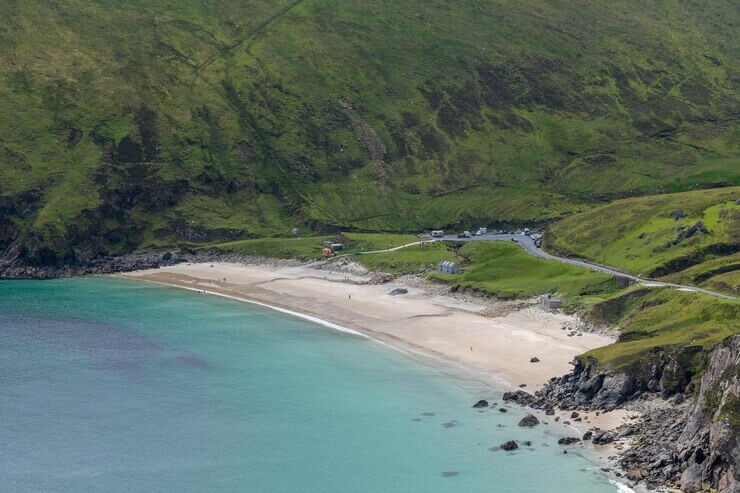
510,445
502,409
529,420
481,403
568,440
398,291
588,435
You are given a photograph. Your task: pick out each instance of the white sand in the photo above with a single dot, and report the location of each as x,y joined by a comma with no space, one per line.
438,326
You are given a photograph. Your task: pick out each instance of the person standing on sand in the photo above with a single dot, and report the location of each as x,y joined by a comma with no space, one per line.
350,296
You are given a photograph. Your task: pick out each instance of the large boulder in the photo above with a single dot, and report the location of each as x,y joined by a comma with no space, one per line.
481,403
520,397
529,420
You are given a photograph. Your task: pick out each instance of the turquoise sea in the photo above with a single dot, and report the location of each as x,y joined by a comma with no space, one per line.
116,385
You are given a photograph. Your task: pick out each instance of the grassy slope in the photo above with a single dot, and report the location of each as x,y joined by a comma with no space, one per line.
497,269
410,260
653,319
312,247
145,123
638,234
507,271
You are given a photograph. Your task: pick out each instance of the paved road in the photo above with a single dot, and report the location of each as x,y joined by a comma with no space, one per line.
528,244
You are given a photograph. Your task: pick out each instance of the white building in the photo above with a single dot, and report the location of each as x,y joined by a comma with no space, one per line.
447,267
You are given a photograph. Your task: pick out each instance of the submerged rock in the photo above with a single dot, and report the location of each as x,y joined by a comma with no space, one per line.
481,403
568,440
510,445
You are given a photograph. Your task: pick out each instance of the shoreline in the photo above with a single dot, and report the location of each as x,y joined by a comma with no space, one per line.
435,329
477,379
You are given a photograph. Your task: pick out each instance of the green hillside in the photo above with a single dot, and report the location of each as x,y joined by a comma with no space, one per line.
652,322
132,125
686,238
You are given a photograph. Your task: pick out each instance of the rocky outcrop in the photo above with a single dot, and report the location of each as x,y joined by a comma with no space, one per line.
691,440
481,403
588,387
689,436
696,445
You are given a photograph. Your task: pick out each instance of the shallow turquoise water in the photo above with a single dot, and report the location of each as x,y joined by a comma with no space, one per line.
114,385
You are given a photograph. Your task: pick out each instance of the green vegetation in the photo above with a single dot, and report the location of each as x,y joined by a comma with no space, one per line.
422,258
689,237
151,123
506,271
651,320
720,274
498,269
312,247
298,248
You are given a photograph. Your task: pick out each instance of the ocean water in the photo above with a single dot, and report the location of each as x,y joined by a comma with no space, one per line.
115,385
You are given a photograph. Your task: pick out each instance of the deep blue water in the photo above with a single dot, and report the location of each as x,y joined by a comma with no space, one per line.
114,385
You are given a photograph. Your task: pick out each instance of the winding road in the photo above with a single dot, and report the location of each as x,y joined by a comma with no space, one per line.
528,244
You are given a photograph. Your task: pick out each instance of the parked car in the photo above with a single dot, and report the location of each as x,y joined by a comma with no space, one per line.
515,240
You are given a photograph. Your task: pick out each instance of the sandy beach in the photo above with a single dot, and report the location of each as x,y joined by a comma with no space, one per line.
446,328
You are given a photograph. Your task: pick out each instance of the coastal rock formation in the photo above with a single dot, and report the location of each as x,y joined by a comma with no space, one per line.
529,420
696,444
690,435
398,291
481,403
